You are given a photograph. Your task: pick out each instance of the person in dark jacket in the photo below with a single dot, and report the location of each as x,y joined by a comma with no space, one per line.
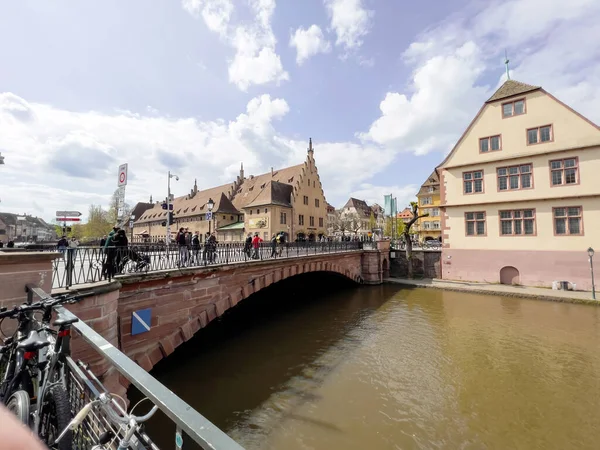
248,245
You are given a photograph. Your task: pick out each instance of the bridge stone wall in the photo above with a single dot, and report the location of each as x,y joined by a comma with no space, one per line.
181,301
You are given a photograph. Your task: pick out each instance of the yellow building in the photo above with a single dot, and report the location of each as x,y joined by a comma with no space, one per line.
520,192
289,200
429,203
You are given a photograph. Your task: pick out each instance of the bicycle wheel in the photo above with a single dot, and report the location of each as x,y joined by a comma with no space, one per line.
18,404
55,416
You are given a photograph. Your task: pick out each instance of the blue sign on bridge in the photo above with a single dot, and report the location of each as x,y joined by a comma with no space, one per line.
140,321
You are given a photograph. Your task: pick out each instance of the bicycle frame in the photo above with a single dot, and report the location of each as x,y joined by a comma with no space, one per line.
48,360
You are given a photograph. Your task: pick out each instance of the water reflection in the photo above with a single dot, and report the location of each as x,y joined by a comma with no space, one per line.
383,367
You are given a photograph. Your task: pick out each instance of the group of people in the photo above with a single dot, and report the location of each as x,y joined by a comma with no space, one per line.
252,245
190,244
115,249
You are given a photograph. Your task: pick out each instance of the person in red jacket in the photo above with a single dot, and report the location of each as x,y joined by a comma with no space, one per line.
256,245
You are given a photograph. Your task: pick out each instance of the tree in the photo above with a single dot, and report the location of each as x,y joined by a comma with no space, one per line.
98,223
415,216
113,209
372,221
397,223
345,221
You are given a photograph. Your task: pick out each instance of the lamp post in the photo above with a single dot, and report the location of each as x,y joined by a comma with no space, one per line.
590,253
171,175
132,218
210,205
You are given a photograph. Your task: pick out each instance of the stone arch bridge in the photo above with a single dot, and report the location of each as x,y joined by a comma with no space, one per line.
181,302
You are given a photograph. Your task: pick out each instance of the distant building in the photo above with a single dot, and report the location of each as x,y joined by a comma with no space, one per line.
331,217
289,200
363,213
25,228
137,211
520,192
429,203
379,213
405,215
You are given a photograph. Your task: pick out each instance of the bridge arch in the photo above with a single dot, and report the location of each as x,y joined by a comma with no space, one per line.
234,289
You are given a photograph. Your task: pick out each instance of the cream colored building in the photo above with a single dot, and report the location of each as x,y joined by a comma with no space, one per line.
289,200
520,192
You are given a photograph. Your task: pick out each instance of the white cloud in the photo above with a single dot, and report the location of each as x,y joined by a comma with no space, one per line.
255,61
308,43
350,20
557,50
58,159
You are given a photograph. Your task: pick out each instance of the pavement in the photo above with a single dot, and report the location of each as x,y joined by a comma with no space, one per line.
502,289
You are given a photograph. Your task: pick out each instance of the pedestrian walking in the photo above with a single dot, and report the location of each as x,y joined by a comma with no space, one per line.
196,248
256,241
273,246
248,246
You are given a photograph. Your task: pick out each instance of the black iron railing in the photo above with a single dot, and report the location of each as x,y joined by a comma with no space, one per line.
93,264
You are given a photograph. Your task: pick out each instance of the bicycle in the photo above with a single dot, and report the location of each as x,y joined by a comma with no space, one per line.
128,424
35,366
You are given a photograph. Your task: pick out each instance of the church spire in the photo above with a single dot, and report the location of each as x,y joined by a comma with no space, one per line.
310,147
195,185
506,61
242,171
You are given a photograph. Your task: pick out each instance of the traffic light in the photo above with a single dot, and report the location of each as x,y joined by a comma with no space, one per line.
171,221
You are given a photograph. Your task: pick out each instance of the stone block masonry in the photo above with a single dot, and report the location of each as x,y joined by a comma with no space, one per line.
426,264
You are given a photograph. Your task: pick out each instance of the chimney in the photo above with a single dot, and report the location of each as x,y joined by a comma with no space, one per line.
271,171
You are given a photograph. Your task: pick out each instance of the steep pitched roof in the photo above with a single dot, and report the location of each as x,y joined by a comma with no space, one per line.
433,181
252,186
360,206
511,88
274,193
193,204
406,213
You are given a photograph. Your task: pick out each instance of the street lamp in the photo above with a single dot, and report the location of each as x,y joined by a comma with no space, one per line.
590,252
210,205
171,175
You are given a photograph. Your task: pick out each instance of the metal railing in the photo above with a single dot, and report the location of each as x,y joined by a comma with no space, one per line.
82,389
93,264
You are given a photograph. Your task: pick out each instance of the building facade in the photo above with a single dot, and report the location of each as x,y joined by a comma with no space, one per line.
520,194
429,203
357,216
331,219
289,200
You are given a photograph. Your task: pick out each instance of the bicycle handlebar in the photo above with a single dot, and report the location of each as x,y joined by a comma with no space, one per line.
38,306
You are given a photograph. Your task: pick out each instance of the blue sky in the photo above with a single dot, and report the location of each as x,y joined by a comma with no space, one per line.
384,88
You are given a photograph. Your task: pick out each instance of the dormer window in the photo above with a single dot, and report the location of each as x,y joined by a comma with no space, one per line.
490,144
514,108
291,180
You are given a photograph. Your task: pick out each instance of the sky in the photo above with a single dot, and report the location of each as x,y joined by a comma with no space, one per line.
384,89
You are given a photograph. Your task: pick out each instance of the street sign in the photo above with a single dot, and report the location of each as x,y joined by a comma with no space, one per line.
68,219
122,178
68,214
209,215
140,321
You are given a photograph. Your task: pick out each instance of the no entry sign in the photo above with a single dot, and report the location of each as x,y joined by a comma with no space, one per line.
122,180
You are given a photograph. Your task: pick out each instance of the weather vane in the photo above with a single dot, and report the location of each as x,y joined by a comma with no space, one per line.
506,61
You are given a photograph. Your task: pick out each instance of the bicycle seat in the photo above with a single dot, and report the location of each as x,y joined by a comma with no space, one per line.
63,321
32,342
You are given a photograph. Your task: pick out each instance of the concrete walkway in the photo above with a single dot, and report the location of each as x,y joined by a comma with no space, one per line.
502,289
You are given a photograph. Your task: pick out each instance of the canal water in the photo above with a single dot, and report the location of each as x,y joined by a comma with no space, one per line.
314,363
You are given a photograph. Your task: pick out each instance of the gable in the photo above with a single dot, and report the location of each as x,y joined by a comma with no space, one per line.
569,130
